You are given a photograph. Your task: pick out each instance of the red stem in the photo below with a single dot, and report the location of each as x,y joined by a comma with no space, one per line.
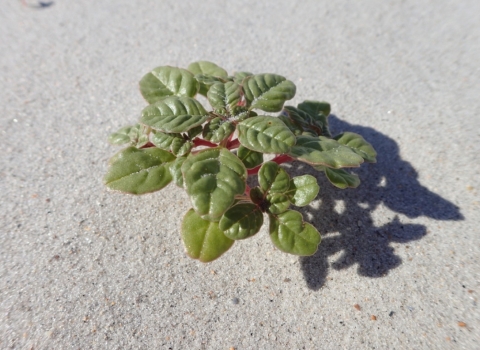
233,144
199,142
282,158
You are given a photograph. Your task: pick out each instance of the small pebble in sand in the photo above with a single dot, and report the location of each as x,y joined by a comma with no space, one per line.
373,318
356,306
235,301
462,324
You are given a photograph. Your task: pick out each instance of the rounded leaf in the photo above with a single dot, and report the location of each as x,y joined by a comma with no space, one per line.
265,134
303,189
250,158
268,92
272,178
324,151
139,171
241,221
218,130
167,81
290,234
226,97
121,136
175,143
207,68
358,144
174,114
212,178
203,239
277,203
341,178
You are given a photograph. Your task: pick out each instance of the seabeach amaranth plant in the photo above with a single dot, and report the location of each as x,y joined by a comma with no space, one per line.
210,154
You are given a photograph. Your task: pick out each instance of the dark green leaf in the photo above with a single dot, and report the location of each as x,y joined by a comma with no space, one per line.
241,221
195,131
265,134
314,108
358,144
174,114
175,143
167,81
324,151
203,239
213,177
290,234
273,178
277,203
250,158
341,178
139,171
268,92
218,130
303,189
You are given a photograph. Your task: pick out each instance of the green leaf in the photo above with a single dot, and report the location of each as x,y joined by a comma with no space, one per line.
176,171
324,151
314,108
139,171
167,81
207,68
303,120
272,178
218,130
213,177
241,221
290,234
341,178
358,144
203,239
121,136
303,189
268,92
195,131
207,73
174,114
226,97
172,142
277,203
265,134
239,77
249,158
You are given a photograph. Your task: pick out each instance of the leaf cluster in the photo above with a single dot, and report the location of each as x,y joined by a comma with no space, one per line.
211,153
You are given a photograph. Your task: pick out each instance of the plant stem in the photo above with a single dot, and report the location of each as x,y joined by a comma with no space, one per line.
199,142
282,158
233,144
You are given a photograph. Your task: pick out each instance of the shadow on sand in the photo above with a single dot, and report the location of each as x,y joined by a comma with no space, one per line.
391,182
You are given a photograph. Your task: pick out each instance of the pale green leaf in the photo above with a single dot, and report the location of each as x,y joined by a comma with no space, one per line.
176,171
174,143
139,171
174,114
265,134
168,81
277,203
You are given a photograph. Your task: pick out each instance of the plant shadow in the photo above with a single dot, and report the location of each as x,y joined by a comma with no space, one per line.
391,182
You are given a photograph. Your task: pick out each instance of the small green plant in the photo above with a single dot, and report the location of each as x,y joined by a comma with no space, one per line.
210,154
